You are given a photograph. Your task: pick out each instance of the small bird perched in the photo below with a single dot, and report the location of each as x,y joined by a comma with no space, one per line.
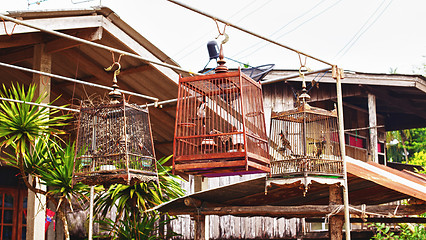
202,110
320,145
225,140
285,142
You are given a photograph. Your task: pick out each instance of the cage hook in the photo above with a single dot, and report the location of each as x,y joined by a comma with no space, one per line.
114,94
222,33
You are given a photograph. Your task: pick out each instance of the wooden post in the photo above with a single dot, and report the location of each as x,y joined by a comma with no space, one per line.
36,212
337,74
202,223
372,123
335,227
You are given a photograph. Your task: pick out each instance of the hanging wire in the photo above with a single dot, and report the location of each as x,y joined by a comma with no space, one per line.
277,31
247,31
76,81
39,104
5,28
355,38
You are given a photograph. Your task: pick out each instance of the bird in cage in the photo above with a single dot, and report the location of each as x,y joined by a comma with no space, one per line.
202,110
225,140
285,143
320,145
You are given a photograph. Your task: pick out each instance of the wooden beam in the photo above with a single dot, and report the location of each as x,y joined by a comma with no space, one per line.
42,61
23,54
377,220
299,211
61,23
336,221
91,34
21,40
52,46
372,123
403,104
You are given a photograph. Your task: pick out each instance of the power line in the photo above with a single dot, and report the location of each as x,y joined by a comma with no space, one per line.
199,46
248,31
355,38
281,28
295,28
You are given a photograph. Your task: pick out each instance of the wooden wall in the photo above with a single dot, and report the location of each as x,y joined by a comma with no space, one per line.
230,227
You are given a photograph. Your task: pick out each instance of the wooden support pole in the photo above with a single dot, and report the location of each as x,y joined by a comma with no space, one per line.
202,223
200,227
372,123
336,222
36,212
337,74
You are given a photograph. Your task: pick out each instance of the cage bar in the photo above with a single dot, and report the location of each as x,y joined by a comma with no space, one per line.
114,145
220,126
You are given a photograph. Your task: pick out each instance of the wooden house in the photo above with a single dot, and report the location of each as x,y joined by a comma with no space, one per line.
33,49
240,208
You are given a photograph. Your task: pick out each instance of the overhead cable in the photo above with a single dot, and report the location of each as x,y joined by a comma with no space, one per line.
76,81
39,104
247,31
281,28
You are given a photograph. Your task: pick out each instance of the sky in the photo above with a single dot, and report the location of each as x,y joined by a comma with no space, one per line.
372,36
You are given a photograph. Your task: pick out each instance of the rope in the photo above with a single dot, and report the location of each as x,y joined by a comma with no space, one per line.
335,211
364,213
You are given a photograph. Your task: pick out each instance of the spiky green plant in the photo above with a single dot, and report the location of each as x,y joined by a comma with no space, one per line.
132,202
32,134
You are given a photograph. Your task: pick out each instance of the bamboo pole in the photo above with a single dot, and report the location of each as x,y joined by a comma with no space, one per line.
338,74
92,195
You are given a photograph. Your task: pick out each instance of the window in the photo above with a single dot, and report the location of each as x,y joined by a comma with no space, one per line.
12,213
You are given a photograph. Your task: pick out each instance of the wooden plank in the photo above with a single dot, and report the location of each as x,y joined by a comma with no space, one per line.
61,23
299,211
213,164
21,40
92,34
387,178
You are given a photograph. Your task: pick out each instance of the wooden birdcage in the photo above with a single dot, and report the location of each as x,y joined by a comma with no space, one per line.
220,126
114,145
114,142
305,142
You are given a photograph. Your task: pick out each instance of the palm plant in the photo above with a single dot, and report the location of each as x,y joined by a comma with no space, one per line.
22,124
32,133
133,202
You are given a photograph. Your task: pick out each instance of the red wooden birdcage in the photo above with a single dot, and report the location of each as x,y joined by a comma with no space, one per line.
220,126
